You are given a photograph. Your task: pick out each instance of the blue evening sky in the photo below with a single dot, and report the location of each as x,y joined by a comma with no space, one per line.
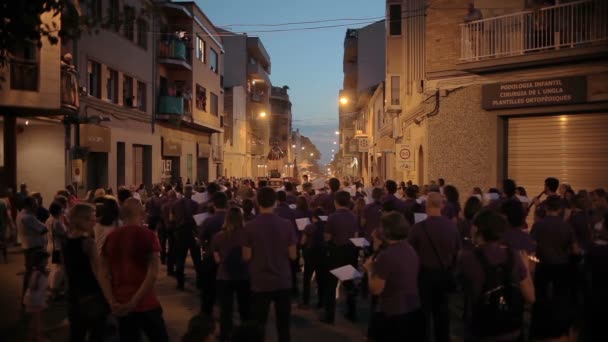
309,62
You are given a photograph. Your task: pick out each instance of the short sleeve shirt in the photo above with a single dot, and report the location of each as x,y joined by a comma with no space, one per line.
269,238
443,235
554,237
372,214
342,226
127,250
229,245
398,266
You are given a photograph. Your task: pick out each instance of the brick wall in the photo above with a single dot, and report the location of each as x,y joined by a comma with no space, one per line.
443,34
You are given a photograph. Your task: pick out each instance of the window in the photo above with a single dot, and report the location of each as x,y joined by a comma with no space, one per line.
24,67
201,98
138,164
213,61
395,93
214,104
129,24
112,85
94,10
114,15
127,91
394,20
120,164
94,70
200,49
141,96
142,33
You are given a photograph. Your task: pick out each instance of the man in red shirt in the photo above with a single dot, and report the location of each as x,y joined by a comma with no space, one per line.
130,258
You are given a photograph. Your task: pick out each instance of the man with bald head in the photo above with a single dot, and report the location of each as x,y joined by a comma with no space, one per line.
130,258
436,240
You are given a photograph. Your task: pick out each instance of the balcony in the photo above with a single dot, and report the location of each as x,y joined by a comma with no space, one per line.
69,89
559,33
256,49
174,53
173,105
257,72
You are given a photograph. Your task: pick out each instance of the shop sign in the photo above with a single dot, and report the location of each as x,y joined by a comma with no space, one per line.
405,158
545,92
171,148
95,138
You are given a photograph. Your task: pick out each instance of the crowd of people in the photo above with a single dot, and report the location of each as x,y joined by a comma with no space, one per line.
414,247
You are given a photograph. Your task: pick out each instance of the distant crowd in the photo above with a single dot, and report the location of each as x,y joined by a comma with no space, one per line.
407,249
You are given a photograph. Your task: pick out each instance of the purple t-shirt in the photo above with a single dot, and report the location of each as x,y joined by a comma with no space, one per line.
554,238
445,237
450,210
517,239
211,226
229,245
342,226
269,238
398,204
372,214
284,211
398,265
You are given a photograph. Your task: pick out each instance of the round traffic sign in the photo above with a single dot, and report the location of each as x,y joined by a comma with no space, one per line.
404,154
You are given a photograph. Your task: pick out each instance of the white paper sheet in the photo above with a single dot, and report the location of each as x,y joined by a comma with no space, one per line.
523,199
199,197
323,218
200,218
492,196
318,183
345,273
418,217
360,242
302,223
292,206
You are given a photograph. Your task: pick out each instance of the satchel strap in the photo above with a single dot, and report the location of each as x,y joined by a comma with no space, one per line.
433,246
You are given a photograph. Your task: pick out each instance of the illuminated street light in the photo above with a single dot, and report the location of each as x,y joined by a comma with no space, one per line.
303,147
335,143
293,146
312,154
263,114
344,100
337,132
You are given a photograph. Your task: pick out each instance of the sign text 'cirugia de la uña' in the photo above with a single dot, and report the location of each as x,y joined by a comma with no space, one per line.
546,92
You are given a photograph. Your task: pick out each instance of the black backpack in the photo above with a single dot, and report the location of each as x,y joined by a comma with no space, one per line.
500,306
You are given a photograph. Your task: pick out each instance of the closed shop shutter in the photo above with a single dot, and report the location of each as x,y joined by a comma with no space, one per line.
571,148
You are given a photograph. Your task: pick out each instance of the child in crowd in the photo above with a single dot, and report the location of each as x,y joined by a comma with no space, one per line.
36,296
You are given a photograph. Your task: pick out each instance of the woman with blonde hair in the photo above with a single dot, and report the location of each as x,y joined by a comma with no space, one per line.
233,272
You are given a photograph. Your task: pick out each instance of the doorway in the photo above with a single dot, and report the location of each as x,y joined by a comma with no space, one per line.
97,170
202,170
420,166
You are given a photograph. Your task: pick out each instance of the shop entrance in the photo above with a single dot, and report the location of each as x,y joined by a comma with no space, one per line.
97,170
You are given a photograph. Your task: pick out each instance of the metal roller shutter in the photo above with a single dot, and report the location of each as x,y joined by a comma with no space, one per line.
571,148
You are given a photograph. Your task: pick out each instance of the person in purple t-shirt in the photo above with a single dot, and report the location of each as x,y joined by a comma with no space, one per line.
372,212
393,276
284,211
555,244
515,237
233,272
270,244
342,225
451,208
437,242
314,251
390,199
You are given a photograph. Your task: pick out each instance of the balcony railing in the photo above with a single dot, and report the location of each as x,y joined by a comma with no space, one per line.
574,24
174,49
69,88
174,105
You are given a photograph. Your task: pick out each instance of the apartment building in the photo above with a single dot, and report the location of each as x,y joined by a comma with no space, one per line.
280,127
505,89
247,65
38,90
364,66
190,108
237,162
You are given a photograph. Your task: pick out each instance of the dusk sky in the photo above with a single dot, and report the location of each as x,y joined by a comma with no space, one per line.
309,62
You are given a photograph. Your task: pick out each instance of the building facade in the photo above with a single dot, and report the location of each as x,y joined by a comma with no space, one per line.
281,127
520,93
247,65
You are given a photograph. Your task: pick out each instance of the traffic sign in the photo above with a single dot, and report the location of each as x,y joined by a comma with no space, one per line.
405,159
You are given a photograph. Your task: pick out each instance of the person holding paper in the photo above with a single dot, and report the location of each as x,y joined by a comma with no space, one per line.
210,227
341,227
270,244
393,276
182,213
436,240
314,251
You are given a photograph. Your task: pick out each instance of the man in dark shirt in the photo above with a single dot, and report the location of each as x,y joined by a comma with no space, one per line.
165,232
555,243
515,237
211,226
284,211
390,199
270,244
437,241
182,213
341,226
153,210
371,214
326,201
551,186
411,205
292,196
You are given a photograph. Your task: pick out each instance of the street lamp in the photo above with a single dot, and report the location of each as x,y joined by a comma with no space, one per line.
293,146
337,132
303,147
343,100
312,154
263,114
335,143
